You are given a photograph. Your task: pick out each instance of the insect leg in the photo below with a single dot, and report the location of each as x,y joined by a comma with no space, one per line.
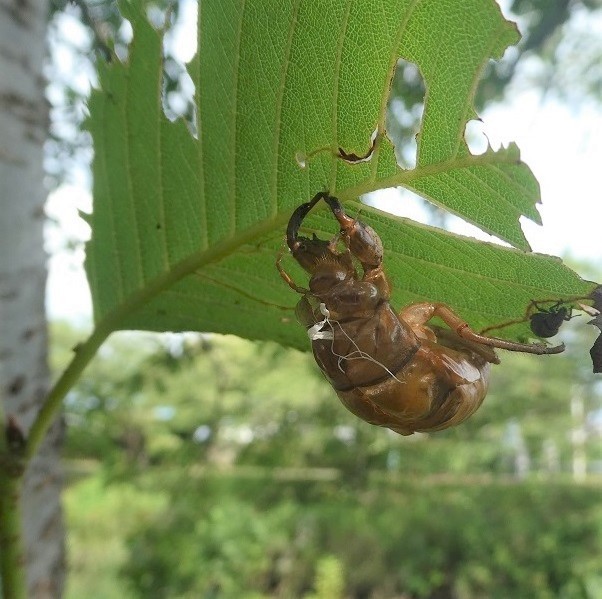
463,330
362,240
532,308
286,277
364,243
420,313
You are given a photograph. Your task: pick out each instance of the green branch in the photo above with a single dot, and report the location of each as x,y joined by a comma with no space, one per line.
114,320
12,555
83,354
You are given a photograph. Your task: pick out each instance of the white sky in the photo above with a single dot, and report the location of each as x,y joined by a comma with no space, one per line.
561,144
563,148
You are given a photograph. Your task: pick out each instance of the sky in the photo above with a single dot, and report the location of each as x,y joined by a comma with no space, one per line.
563,148
561,143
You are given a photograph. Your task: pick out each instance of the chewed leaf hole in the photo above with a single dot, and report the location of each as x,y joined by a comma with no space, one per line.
406,106
476,138
179,48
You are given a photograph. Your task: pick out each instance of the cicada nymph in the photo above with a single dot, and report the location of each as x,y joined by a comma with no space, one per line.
390,369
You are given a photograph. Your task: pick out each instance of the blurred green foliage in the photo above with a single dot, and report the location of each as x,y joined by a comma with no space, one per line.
408,539
209,466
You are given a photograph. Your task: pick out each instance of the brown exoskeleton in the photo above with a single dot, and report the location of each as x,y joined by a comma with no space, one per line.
389,369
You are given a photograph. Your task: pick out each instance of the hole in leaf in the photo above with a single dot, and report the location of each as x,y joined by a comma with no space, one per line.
157,16
122,39
179,47
406,105
476,138
403,202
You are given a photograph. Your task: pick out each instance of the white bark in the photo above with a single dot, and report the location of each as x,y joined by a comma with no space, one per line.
24,374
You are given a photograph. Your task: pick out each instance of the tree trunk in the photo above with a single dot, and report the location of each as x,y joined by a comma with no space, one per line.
24,377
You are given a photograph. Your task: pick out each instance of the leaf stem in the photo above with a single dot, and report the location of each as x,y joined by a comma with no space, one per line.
12,555
84,352
112,321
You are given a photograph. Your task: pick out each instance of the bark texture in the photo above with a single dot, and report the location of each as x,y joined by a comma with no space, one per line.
24,377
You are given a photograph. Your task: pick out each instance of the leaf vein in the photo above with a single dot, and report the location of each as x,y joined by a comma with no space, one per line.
130,186
336,89
279,102
234,192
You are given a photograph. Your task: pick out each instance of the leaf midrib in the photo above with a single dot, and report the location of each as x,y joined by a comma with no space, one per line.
404,177
113,319
279,105
234,140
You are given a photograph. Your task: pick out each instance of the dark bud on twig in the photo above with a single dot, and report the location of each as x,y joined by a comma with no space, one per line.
15,439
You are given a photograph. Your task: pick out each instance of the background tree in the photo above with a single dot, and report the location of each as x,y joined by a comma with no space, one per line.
23,337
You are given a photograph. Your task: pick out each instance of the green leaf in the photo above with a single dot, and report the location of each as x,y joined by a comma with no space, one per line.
186,229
